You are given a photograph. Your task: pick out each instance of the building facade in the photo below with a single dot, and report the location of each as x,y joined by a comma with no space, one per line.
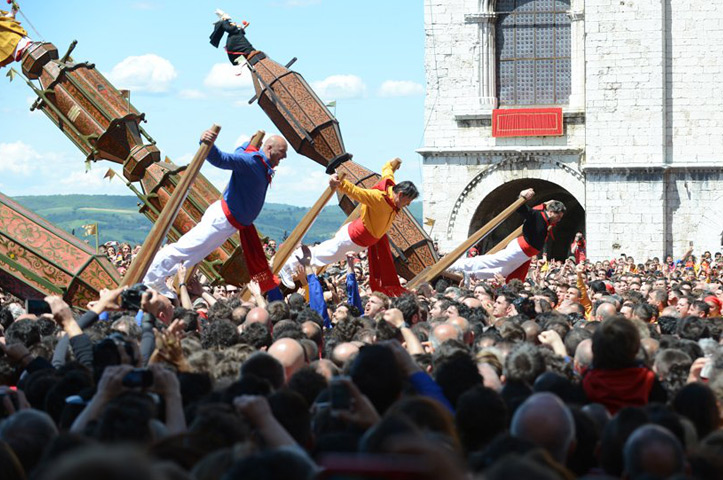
640,83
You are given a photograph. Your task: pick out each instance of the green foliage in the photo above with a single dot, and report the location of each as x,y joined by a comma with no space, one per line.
118,217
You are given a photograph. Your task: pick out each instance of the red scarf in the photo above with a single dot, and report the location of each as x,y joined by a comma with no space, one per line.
521,272
382,273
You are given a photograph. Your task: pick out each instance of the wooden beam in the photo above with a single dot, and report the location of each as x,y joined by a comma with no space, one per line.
160,228
352,216
429,273
501,246
301,229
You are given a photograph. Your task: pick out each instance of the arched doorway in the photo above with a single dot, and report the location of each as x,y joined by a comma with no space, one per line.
501,197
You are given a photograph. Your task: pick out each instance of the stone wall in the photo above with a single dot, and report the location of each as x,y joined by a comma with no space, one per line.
649,141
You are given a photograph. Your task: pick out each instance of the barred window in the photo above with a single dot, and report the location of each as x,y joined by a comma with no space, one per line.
533,52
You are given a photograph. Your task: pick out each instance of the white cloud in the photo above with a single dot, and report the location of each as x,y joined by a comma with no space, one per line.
224,76
400,88
92,182
340,86
297,184
191,94
244,137
18,158
143,73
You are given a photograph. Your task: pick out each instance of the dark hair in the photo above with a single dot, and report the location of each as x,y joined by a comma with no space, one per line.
219,333
555,206
292,412
408,305
287,329
456,375
272,465
257,335
615,343
645,312
278,310
573,339
668,325
614,435
525,363
374,370
308,383
264,366
480,416
23,331
692,328
407,189
697,403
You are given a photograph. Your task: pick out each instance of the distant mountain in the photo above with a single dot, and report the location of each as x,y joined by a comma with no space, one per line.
118,217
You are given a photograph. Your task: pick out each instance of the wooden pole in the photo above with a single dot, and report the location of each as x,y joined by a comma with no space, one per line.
352,216
301,229
158,233
501,246
429,273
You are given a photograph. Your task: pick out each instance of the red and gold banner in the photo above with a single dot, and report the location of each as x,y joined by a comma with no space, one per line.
526,122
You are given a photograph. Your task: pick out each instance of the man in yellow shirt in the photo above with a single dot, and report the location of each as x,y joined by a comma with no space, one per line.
13,38
380,205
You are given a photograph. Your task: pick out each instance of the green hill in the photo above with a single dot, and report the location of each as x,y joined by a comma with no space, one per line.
118,218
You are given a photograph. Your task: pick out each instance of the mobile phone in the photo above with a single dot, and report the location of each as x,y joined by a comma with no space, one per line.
36,307
340,397
138,377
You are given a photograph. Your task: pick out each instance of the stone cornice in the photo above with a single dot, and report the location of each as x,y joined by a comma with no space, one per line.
503,151
479,17
648,168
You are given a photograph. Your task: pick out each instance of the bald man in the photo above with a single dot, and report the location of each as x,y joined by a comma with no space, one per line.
544,420
258,315
605,310
443,332
252,171
343,353
290,354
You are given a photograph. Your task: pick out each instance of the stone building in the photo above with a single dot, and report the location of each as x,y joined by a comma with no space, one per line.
640,83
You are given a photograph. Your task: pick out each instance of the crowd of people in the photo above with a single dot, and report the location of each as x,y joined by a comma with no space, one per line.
609,368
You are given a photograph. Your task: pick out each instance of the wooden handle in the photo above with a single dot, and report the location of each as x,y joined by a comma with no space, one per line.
443,264
501,246
301,229
163,223
257,139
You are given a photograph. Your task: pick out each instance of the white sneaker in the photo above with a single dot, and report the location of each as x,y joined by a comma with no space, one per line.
286,275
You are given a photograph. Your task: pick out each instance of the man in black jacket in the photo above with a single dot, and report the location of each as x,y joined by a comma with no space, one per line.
236,44
512,261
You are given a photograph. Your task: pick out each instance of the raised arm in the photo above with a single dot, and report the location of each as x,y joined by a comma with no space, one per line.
362,195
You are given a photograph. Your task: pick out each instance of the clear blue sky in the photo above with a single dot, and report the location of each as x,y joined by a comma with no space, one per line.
368,56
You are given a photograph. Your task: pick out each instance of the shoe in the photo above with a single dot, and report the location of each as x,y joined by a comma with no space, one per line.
163,289
287,277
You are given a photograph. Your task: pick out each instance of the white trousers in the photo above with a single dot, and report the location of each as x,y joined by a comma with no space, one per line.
330,251
191,248
486,267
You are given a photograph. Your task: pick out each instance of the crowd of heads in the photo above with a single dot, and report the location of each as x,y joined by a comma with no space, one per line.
600,368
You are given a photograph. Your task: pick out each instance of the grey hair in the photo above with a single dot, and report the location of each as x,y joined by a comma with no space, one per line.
556,206
406,188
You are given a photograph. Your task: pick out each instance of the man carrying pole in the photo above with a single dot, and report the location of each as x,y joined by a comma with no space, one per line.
380,206
514,260
252,171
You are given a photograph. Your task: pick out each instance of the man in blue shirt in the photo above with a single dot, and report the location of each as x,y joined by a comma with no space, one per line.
252,171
